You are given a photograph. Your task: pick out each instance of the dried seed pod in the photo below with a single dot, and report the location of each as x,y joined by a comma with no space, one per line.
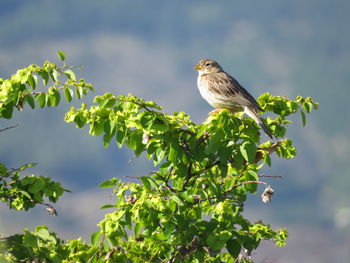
51,210
267,194
131,199
145,138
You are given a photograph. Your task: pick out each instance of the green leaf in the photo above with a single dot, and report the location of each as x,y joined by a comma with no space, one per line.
251,176
267,159
164,168
32,81
54,75
95,238
96,128
303,117
121,135
160,124
107,206
128,220
109,183
41,98
45,77
29,239
108,103
146,183
26,194
147,119
159,155
68,93
177,200
135,141
37,185
44,234
55,98
80,92
214,187
233,247
137,228
6,111
80,120
174,149
106,139
70,74
30,100
47,100
218,241
61,55
215,141
248,151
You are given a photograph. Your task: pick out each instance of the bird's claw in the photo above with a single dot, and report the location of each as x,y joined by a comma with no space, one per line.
214,111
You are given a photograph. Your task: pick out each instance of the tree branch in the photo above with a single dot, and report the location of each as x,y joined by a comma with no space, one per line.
203,137
206,168
260,151
190,174
243,183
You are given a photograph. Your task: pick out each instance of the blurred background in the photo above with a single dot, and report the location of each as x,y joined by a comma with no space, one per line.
148,48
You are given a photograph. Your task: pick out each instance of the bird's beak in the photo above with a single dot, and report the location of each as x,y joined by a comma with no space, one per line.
198,67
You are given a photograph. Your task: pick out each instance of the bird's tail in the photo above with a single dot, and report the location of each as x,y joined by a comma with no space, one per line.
255,116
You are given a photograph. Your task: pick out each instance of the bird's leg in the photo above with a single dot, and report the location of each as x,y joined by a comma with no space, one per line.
215,111
234,110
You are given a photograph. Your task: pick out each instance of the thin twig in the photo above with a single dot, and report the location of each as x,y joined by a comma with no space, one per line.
267,175
249,182
11,127
206,168
217,197
166,181
189,175
167,184
203,137
100,243
25,166
187,131
133,177
243,183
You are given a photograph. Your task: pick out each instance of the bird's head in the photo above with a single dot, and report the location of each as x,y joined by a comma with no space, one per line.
206,66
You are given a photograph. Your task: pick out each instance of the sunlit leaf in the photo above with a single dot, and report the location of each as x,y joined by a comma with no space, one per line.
109,183
70,74
61,55
248,151
68,94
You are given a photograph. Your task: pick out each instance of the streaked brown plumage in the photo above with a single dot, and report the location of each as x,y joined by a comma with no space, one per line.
222,91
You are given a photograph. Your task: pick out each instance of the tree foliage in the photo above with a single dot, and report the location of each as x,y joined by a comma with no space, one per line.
189,209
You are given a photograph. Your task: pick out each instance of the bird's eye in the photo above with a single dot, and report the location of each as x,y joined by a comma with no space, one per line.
207,64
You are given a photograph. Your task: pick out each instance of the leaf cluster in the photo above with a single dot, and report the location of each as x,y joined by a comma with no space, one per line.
23,87
25,192
188,209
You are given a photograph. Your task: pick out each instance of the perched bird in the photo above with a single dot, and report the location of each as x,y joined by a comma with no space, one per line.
222,91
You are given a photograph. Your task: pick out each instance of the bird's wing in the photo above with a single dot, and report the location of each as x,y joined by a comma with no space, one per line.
225,85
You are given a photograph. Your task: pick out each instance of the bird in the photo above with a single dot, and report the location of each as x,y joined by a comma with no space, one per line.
222,91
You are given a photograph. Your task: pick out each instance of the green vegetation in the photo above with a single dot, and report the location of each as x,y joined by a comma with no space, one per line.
189,209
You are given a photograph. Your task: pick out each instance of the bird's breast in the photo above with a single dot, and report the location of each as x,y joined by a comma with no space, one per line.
216,100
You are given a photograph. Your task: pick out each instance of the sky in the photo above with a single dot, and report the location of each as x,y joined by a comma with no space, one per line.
287,48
